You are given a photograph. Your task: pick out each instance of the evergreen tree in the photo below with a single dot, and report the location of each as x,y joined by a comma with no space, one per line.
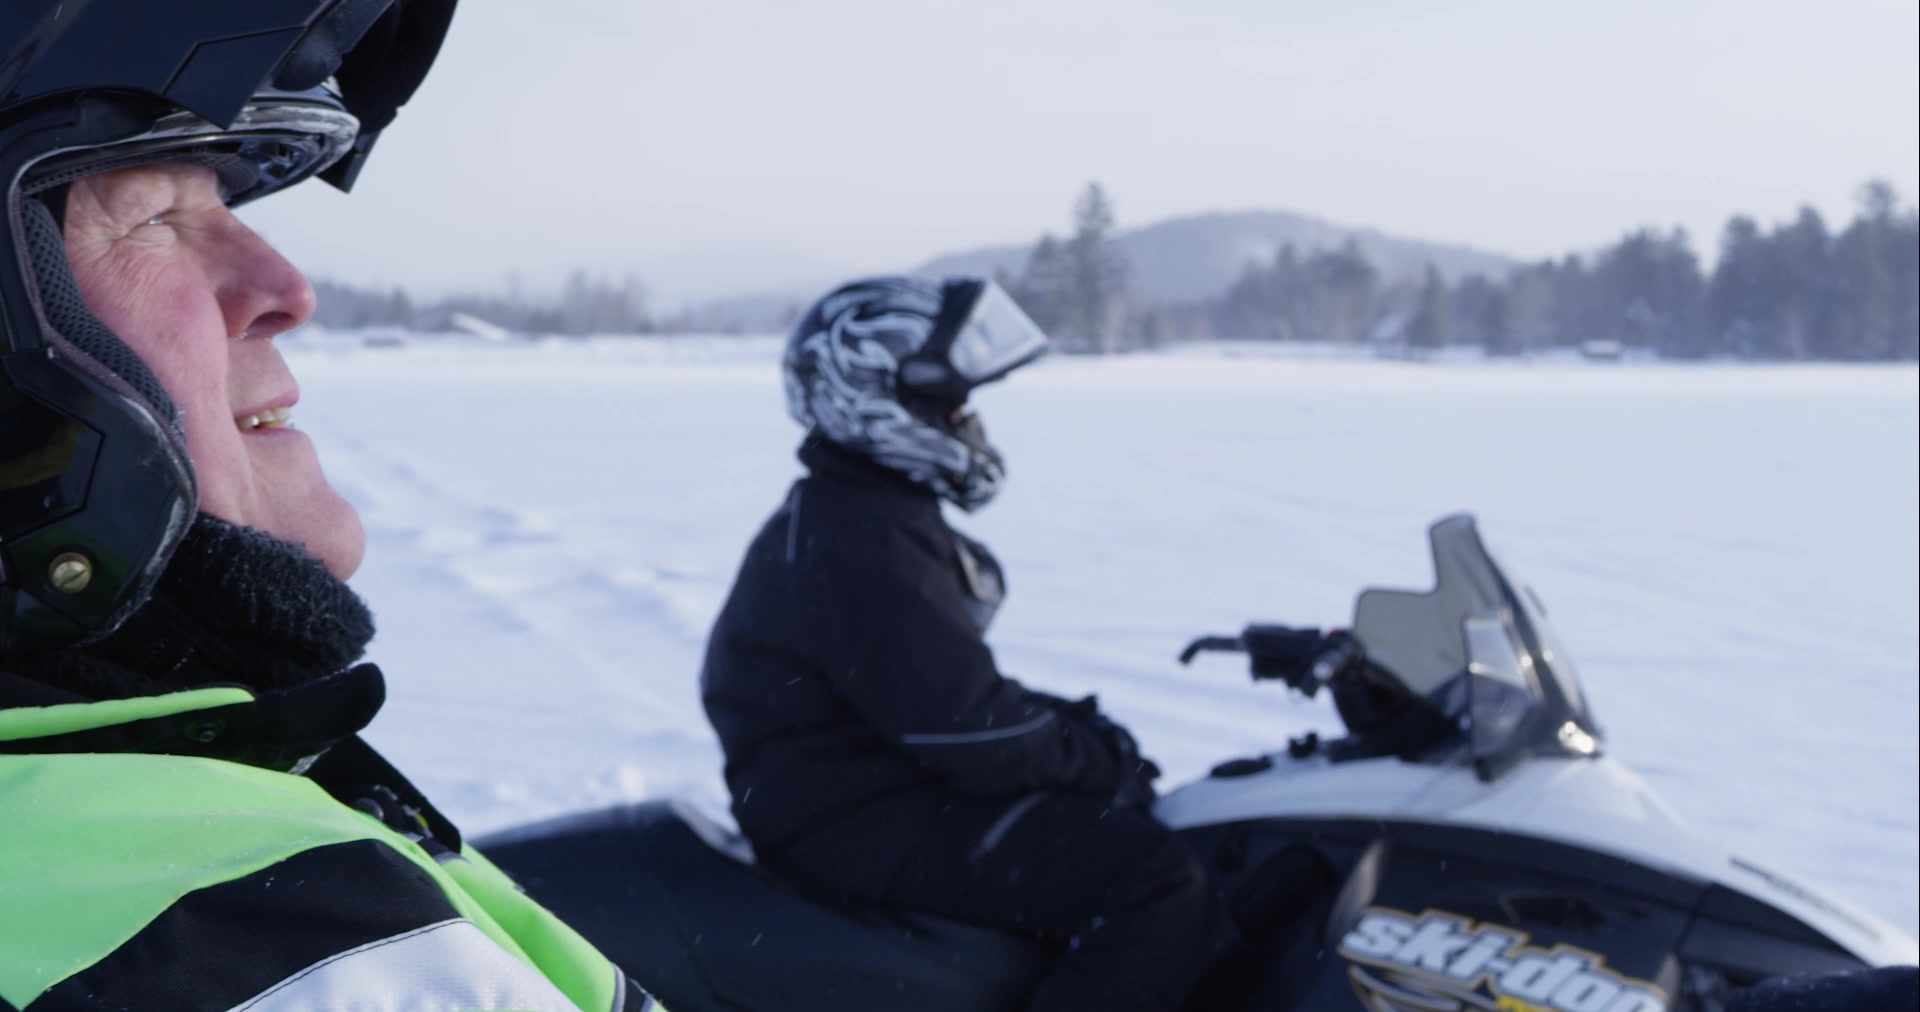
1744,297
1803,256
1532,313
1903,256
1578,312
1427,331
1096,275
1243,312
1650,289
1478,314
1262,303
1338,297
592,306
1496,335
1044,285
1867,311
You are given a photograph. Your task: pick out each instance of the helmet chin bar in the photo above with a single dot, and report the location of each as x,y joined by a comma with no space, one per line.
95,485
993,338
986,471
112,509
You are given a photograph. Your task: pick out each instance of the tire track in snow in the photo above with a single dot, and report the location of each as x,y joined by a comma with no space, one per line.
576,687
609,625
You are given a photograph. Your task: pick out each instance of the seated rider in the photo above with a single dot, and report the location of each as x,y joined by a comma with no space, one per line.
874,751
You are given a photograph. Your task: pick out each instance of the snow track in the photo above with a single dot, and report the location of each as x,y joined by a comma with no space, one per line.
505,594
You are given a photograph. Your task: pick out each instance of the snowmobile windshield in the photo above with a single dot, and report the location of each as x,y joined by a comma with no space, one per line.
1479,645
997,338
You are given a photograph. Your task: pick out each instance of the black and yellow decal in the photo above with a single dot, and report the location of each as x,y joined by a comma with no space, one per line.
1437,961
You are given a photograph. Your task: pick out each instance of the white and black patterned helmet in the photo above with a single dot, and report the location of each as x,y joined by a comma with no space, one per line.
882,367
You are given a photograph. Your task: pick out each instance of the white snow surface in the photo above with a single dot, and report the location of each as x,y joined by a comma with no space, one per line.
1732,553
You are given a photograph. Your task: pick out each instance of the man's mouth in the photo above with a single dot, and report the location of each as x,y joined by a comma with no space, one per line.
271,418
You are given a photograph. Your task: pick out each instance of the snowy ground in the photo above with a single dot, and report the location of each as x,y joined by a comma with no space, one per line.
1731,553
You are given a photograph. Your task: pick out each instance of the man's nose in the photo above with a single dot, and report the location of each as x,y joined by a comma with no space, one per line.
261,293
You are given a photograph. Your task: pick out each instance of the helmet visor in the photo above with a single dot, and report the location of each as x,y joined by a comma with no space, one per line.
997,338
271,145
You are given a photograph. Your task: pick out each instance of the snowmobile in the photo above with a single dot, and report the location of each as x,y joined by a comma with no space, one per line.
1467,844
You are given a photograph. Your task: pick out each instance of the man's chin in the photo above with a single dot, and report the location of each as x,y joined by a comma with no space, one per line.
341,542
300,505
323,523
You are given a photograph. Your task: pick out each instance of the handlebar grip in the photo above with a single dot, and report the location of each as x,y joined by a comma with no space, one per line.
1281,652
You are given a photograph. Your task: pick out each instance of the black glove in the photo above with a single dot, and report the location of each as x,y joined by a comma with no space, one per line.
1305,659
1890,988
1136,773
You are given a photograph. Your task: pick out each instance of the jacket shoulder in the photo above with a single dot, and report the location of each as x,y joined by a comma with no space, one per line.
842,517
135,880
96,846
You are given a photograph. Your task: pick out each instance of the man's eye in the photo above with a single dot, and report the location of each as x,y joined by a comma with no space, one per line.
158,219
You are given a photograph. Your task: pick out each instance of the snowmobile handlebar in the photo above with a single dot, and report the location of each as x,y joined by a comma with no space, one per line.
1305,659
1210,644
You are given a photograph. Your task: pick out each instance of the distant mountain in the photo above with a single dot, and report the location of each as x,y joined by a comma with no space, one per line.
1199,256
696,276
1181,259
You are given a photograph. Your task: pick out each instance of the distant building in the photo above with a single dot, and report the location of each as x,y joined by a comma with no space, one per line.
467,323
1602,349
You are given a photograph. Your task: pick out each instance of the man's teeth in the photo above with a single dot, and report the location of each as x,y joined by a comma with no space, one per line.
272,418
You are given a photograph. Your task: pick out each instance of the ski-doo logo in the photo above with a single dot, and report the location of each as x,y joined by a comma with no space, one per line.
1441,962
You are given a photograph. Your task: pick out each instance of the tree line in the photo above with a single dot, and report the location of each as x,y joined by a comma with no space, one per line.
1796,291
584,305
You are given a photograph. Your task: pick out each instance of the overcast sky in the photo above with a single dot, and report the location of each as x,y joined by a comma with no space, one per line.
712,145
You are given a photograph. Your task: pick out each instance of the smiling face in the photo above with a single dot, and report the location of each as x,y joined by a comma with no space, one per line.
199,296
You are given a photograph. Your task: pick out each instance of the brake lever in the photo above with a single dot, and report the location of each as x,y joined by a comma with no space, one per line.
1296,656
1220,644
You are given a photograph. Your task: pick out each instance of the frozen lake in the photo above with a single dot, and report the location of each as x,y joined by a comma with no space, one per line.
1732,554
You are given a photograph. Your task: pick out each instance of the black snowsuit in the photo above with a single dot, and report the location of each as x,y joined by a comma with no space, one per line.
1888,989
875,753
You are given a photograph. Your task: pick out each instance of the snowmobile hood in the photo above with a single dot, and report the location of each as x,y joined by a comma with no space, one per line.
1595,803
1529,761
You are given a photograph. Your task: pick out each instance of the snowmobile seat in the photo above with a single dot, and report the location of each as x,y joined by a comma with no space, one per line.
673,898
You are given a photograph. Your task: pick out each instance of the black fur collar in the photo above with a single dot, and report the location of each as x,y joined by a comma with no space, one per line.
235,606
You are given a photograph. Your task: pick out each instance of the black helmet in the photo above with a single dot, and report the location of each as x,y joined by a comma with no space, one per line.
95,485
881,367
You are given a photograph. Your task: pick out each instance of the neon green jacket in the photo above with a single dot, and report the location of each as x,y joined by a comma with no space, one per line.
138,870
